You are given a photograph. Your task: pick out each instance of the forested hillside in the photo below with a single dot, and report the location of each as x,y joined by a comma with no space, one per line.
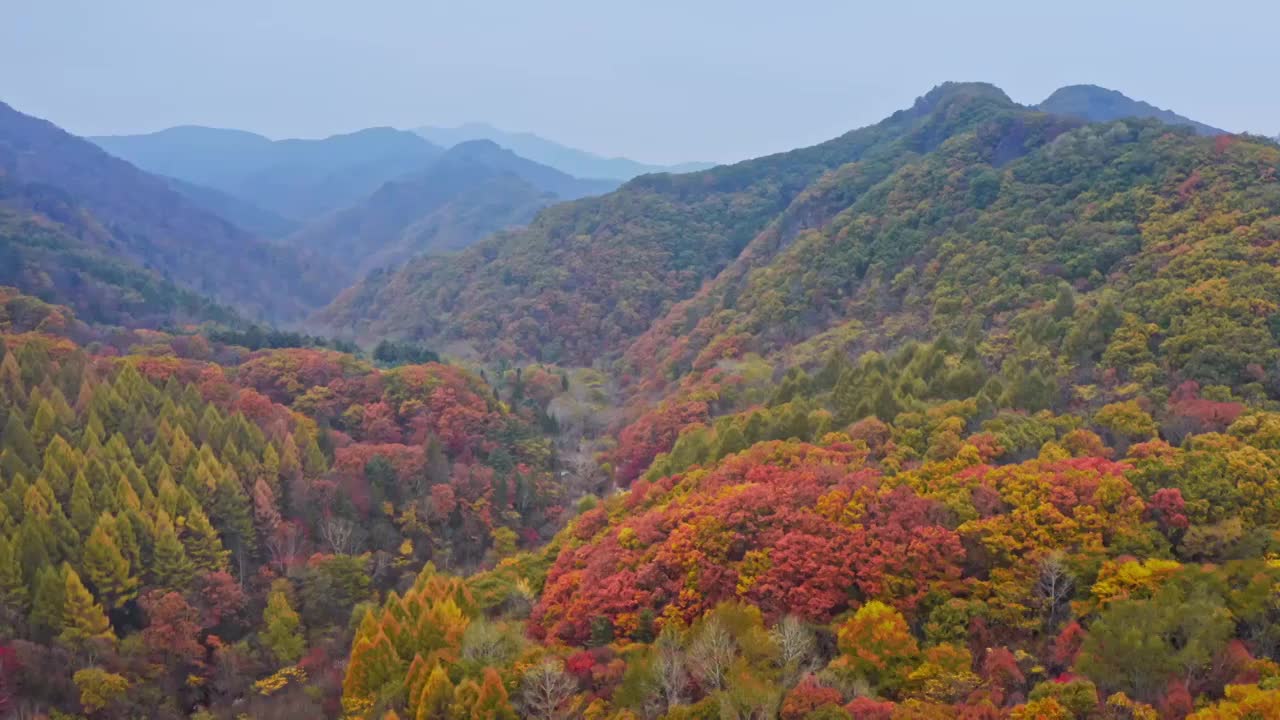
295,178
586,277
980,425
465,195
137,219
188,524
971,414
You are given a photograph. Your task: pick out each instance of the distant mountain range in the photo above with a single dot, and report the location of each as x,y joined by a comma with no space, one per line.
297,180
614,265
1099,104
97,209
472,190
573,161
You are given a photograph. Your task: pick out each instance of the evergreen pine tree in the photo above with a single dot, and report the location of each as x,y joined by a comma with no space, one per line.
107,567
313,461
492,702
170,566
202,543
83,514
34,547
14,597
281,625
436,697
233,516
126,533
83,619
17,440
45,425
47,602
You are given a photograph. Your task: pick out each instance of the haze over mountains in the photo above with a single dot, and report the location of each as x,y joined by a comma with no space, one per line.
295,179
973,412
1102,105
132,216
469,192
573,161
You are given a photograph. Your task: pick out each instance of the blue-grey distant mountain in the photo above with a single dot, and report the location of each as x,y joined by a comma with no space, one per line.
296,179
578,163
1098,104
474,189
243,213
107,208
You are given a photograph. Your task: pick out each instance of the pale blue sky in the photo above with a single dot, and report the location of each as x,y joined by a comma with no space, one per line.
657,80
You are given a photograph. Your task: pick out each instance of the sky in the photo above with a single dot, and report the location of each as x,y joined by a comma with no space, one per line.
657,81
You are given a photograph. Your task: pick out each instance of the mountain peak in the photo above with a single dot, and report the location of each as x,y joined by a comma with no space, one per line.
1099,104
949,91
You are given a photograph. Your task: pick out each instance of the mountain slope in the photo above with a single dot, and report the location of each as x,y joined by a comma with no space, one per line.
1098,104
56,251
987,425
586,277
298,179
146,223
469,192
578,163
241,213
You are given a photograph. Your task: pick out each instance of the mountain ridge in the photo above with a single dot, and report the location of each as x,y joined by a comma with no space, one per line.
298,179
579,163
467,193
154,226
1099,104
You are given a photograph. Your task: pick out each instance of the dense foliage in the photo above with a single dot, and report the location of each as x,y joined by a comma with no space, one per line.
138,221
586,277
988,430
178,533
466,194
973,414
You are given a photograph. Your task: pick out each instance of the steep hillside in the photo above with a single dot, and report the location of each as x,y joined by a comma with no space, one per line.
186,526
587,277
572,161
987,429
60,256
298,179
1098,104
140,220
473,190
241,213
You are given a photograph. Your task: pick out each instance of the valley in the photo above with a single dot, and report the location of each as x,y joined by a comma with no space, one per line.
971,413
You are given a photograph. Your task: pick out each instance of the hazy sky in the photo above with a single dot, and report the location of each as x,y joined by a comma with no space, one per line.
657,80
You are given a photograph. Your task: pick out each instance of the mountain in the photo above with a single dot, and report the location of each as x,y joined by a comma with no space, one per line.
1098,104
140,220
54,250
296,179
578,163
185,465
471,191
585,278
971,413
981,419
241,213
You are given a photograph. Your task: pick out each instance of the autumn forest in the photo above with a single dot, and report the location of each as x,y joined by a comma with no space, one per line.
969,414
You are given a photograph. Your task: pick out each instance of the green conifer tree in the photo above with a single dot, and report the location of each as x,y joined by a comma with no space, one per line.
202,543
17,440
47,603
170,566
83,514
83,619
107,567
281,626
14,596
